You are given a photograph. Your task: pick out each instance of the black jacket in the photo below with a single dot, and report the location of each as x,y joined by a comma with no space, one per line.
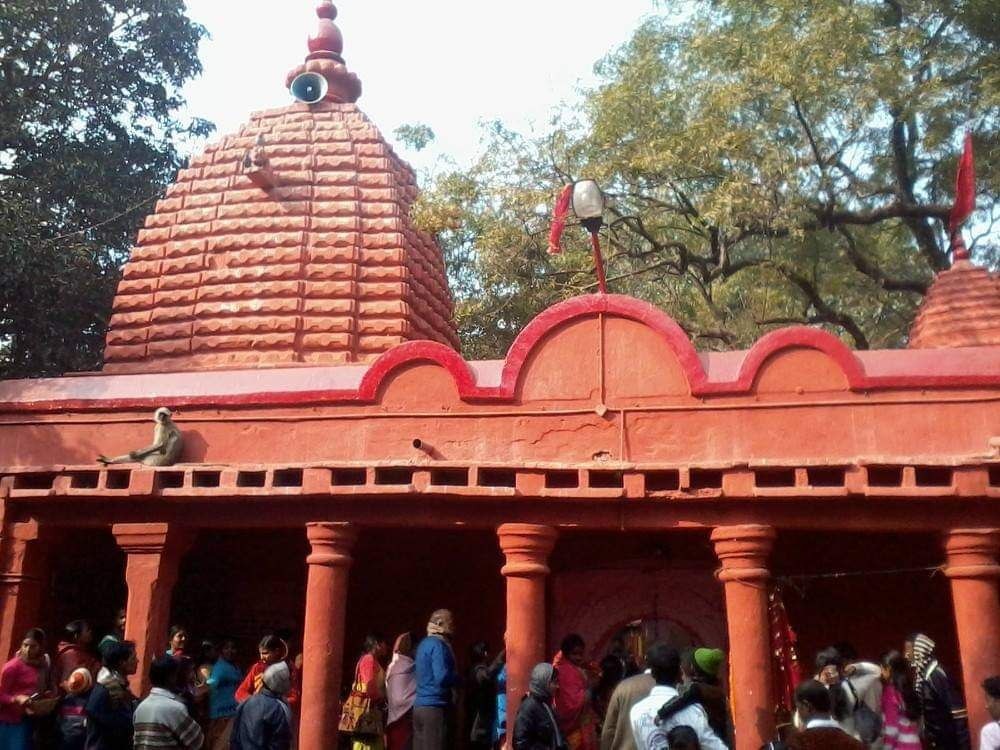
946,726
263,722
535,728
109,720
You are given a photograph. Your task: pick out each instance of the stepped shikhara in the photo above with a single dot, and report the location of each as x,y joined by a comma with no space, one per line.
288,242
962,308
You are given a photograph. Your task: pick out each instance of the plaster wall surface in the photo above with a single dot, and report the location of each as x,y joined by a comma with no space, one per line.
592,387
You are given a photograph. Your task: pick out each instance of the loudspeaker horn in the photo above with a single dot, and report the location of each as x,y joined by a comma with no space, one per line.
309,87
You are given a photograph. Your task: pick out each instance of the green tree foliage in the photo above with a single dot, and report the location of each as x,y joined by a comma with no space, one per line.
770,163
416,136
88,89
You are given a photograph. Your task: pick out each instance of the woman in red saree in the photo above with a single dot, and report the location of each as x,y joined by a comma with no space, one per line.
572,704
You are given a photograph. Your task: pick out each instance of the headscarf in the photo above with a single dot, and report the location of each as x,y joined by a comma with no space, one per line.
924,660
539,684
400,679
278,678
442,623
573,697
403,644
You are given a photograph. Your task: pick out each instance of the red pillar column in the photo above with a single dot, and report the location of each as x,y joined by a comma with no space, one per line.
527,549
743,552
973,571
153,554
21,582
323,641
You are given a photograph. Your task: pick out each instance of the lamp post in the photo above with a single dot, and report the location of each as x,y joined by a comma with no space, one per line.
588,206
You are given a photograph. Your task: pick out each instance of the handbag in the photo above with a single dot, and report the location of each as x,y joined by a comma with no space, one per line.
867,723
360,714
41,706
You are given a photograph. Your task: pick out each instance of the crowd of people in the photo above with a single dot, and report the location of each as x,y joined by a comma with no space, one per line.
81,697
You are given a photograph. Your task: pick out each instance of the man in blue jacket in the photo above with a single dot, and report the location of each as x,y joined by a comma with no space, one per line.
437,679
264,722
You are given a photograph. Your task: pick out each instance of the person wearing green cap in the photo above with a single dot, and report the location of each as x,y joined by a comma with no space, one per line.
708,661
648,729
702,687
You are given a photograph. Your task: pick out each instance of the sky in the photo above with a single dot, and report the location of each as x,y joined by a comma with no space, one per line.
449,64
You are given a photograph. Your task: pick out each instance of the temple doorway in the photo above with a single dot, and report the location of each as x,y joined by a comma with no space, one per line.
625,590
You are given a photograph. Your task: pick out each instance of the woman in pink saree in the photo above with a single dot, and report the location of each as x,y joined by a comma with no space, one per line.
572,704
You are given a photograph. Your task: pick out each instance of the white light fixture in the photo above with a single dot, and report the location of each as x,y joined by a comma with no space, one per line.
588,204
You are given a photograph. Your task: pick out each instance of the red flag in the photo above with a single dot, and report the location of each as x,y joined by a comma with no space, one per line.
965,188
559,216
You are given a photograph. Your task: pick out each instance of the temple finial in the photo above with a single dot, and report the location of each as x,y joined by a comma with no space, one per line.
325,60
327,42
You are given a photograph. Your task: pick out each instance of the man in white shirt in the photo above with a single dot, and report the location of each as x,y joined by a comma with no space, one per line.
664,663
989,737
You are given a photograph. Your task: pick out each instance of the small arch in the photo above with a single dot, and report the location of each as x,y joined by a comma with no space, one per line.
797,337
414,352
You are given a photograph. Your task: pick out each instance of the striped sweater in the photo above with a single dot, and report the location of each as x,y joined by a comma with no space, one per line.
162,722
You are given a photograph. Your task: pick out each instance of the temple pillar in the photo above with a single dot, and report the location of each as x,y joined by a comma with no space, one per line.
23,582
526,548
743,552
153,553
972,568
329,562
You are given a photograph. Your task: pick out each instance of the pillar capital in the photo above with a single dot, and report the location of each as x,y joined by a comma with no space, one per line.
972,553
743,551
331,544
527,547
152,538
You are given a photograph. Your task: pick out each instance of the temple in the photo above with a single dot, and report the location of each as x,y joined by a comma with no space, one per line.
345,469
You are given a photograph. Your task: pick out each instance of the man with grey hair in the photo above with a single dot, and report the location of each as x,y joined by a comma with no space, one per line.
264,721
437,679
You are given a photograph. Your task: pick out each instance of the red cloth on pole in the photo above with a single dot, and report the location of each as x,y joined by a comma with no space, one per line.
785,661
965,188
559,216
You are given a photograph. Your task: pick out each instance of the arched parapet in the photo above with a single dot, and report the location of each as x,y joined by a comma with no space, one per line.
497,381
411,353
540,328
790,339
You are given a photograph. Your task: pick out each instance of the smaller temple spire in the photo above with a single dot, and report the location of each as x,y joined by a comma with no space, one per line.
327,43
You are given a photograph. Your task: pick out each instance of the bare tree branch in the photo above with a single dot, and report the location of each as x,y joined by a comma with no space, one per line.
824,311
865,266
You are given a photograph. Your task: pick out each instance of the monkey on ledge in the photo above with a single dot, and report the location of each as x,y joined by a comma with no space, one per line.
164,451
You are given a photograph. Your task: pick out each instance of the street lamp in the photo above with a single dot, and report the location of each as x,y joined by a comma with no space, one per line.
588,206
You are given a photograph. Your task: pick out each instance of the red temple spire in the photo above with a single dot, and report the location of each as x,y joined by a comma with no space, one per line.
327,42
